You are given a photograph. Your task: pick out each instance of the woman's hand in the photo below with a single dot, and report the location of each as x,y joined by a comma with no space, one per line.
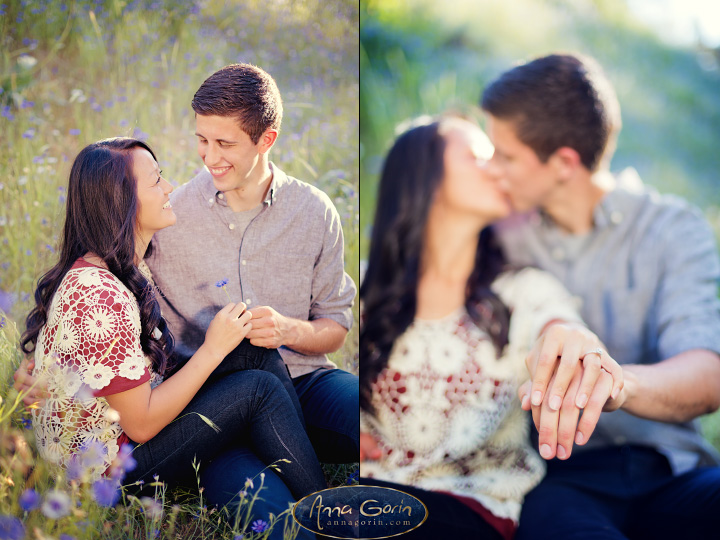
369,449
227,329
26,383
560,428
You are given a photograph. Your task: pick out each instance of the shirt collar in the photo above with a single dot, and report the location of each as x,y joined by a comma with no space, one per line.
211,195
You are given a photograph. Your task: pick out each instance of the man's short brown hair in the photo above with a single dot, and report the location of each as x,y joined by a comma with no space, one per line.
244,92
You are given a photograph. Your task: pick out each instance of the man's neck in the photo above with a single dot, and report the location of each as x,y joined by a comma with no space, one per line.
250,195
572,209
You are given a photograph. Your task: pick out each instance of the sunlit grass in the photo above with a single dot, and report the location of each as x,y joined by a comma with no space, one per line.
72,73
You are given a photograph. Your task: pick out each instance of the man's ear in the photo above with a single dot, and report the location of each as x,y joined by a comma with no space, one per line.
565,161
267,140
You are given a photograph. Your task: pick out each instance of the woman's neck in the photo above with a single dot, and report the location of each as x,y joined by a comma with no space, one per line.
447,261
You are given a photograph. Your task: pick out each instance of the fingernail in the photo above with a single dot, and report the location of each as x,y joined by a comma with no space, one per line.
545,451
561,453
615,393
525,402
582,401
537,398
555,403
579,437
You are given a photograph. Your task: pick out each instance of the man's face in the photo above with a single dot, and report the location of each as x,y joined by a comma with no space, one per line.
529,182
227,151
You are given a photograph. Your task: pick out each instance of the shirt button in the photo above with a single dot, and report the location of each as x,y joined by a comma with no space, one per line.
221,196
616,217
558,254
232,226
248,301
211,201
243,262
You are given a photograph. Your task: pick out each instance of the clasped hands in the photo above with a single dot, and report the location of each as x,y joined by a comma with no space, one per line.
569,372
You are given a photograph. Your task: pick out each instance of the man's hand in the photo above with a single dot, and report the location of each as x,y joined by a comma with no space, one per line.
25,382
369,449
570,342
270,329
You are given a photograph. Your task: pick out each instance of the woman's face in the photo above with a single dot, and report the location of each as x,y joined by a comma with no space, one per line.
466,186
154,210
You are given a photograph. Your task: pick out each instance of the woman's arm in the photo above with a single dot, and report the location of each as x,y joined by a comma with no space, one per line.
144,412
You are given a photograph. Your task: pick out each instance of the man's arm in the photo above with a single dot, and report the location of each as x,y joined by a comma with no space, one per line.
273,330
678,389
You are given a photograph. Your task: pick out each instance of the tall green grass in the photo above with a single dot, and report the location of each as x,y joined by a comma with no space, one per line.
78,71
423,57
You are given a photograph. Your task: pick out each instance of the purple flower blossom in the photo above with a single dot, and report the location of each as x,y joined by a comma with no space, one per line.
66,537
29,134
123,463
56,505
259,526
74,131
11,528
26,422
222,283
74,468
106,492
2,322
29,500
27,104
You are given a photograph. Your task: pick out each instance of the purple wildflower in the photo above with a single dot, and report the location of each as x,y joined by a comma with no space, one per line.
56,505
11,528
74,468
2,322
26,422
259,526
29,500
124,462
29,134
66,537
220,284
106,492
74,131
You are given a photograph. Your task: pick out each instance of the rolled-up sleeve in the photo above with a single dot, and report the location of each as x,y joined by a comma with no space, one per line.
333,290
688,310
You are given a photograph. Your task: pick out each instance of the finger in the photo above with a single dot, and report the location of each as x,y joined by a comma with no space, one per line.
245,317
533,356
591,413
616,370
524,395
548,426
591,372
547,360
236,311
260,311
263,342
571,351
227,309
568,420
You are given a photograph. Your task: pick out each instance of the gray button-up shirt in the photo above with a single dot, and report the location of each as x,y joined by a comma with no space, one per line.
647,275
289,257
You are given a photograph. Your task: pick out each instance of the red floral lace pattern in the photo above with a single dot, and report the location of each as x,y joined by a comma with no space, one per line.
89,348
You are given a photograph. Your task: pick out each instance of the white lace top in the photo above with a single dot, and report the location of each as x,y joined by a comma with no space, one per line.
447,413
89,348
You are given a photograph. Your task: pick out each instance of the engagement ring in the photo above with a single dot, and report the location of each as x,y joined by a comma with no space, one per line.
597,351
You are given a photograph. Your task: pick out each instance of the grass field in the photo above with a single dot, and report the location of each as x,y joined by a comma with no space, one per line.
75,72
419,57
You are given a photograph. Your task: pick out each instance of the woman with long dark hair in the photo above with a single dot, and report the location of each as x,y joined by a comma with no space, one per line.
445,330
102,347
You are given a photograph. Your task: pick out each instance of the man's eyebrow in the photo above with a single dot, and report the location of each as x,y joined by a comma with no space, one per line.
219,140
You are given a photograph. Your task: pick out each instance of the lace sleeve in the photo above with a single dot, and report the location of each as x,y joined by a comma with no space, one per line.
94,326
535,298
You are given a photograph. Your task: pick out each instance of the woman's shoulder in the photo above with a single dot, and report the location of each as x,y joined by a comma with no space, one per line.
85,278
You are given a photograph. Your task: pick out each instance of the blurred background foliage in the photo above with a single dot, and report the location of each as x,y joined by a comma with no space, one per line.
73,72
425,57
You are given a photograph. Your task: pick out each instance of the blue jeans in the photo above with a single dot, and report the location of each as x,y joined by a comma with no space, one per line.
251,408
330,400
330,405
623,492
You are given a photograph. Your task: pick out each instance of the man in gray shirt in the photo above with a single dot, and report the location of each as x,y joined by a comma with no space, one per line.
646,269
248,232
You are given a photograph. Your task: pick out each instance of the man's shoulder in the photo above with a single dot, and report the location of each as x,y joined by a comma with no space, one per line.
293,191
190,192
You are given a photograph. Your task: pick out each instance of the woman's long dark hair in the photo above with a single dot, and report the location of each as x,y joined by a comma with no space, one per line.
101,218
412,172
